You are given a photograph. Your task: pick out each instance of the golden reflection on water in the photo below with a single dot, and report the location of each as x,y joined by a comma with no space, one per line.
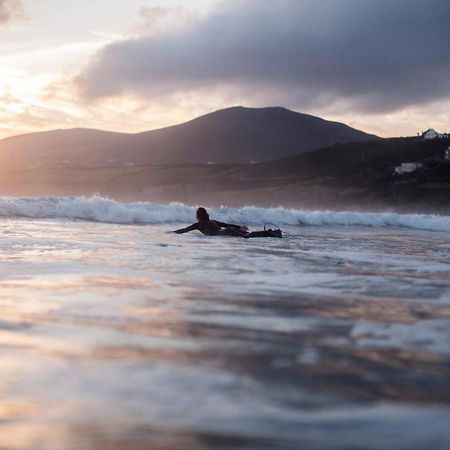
71,282
10,411
106,316
122,435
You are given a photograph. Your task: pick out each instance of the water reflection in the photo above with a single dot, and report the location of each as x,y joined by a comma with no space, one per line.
114,338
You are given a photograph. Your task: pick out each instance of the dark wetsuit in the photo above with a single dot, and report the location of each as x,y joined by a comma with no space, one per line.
216,228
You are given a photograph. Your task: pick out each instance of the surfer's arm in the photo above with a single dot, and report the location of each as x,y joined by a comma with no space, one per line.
228,225
187,229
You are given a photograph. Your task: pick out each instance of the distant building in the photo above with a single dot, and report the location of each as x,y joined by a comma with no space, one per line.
430,134
447,154
407,167
433,134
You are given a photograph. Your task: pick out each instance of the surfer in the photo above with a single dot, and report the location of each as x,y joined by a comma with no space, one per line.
215,228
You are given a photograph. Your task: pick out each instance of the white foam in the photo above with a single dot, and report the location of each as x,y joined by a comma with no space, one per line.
429,335
101,209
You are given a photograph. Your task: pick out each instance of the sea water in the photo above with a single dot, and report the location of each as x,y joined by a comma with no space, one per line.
115,333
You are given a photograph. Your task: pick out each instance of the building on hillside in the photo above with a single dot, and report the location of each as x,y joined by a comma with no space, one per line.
430,134
407,167
433,134
447,154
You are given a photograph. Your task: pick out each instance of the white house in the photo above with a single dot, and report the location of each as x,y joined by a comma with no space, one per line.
430,134
433,134
407,167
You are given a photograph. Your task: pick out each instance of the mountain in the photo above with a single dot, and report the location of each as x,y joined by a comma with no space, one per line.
234,135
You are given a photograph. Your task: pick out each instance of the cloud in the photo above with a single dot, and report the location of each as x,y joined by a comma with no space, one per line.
376,55
155,19
10,9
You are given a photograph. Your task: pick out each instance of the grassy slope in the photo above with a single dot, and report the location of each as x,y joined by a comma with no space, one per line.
358,175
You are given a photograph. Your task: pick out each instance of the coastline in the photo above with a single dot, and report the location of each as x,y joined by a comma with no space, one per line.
215,186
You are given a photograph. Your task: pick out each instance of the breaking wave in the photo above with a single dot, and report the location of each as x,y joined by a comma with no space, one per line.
101,209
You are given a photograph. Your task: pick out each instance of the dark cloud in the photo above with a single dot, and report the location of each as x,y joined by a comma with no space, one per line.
380,55
9,9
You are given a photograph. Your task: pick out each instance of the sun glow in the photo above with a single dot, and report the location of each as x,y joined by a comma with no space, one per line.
45,49
37,93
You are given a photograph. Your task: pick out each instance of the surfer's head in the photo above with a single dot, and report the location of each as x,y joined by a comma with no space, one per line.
202,214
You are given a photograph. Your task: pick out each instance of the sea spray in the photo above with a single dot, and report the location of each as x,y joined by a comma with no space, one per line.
100,209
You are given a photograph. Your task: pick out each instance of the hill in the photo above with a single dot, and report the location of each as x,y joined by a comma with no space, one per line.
357,175
344,176
235,135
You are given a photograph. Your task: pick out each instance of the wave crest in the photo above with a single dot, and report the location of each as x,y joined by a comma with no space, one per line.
101,209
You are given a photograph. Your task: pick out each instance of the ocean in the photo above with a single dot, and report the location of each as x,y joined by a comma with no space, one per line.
117,334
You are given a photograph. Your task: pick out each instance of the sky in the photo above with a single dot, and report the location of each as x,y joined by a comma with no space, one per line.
382,66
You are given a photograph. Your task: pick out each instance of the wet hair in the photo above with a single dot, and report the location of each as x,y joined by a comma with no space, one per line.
202,214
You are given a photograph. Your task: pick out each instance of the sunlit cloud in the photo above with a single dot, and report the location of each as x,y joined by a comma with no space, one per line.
9,10
372,57
37,92
377,65
25,103
158,19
